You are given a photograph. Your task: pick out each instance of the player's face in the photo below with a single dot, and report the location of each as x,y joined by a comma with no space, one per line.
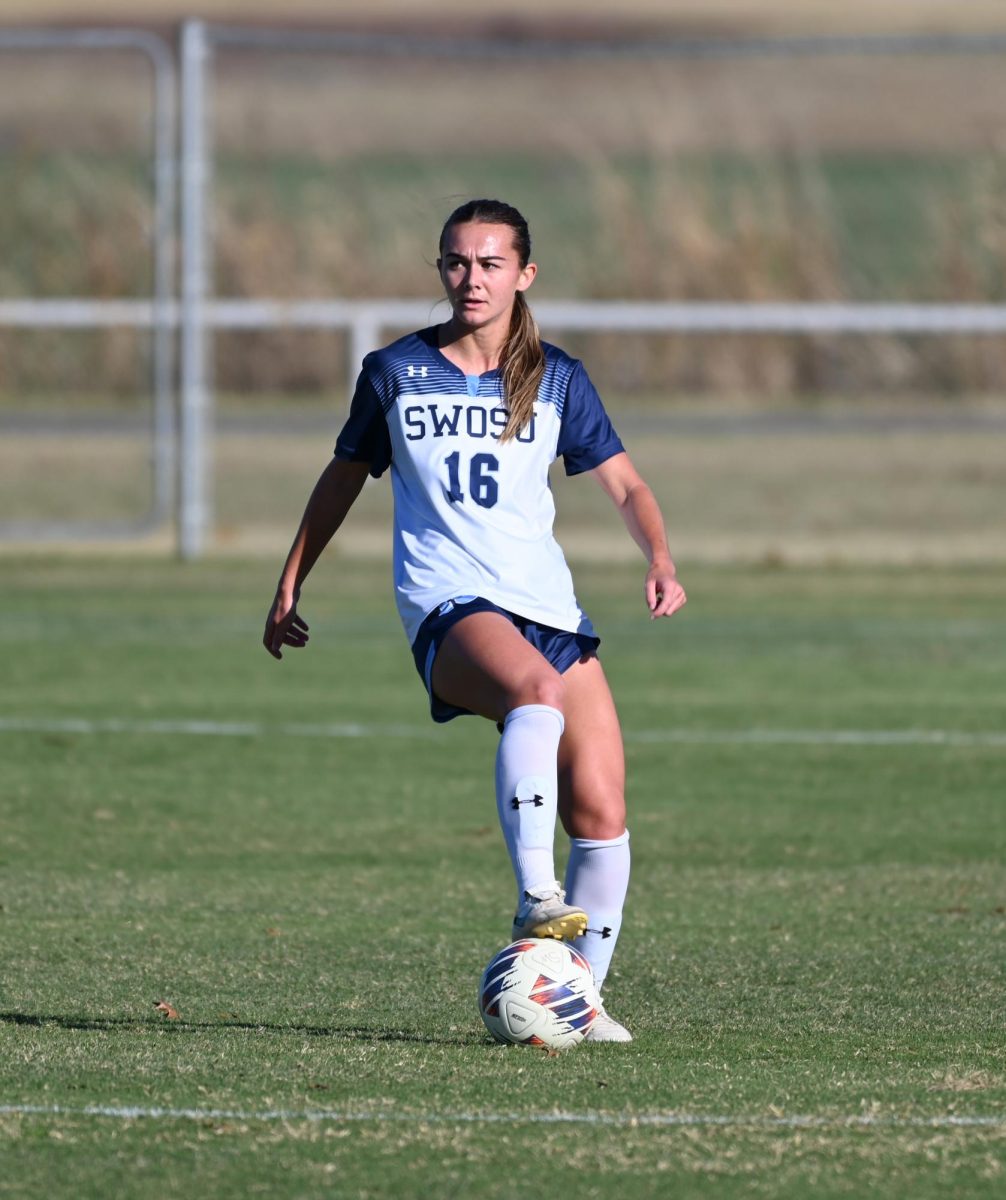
481,273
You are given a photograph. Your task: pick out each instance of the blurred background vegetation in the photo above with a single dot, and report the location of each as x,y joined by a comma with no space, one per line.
859,177
821,177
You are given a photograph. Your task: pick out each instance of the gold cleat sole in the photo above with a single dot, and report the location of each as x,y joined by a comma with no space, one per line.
563,929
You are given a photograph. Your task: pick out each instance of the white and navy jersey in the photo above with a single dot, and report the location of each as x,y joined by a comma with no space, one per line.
474,517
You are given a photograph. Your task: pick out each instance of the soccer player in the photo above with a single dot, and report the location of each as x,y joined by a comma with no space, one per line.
469,415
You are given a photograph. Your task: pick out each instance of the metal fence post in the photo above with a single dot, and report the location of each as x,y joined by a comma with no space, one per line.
163,349
194,507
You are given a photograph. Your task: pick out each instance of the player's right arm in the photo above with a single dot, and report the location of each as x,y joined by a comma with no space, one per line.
333,496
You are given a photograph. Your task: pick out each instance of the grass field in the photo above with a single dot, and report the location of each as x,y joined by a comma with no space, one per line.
303,866
834,484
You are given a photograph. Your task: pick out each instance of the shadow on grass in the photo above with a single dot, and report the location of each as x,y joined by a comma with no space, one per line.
356,1033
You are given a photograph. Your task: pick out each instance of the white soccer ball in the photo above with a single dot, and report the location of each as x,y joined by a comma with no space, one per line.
538,992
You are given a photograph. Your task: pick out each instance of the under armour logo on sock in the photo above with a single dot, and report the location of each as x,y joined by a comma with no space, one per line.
536,800
601,933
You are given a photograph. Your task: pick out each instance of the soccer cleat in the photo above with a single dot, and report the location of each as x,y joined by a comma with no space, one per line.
607,1029
547,915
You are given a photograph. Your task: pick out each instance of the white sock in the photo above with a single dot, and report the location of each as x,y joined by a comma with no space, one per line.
527,792
597,878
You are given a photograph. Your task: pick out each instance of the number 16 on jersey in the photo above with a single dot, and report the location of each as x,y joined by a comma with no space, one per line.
482,486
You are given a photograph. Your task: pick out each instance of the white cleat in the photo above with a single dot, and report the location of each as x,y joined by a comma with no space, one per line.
547,915
607,1029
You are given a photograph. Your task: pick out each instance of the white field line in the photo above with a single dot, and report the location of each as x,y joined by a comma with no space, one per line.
669,1120
712,737
81,725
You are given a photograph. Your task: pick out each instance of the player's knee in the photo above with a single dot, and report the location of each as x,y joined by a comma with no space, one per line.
606,828
545,686
598,814
598,827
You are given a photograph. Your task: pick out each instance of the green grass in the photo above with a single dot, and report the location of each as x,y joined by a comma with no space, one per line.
815,929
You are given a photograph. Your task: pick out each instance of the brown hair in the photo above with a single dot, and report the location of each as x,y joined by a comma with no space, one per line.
522,360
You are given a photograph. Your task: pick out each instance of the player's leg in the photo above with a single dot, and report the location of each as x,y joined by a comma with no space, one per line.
592,807
591,758
485,665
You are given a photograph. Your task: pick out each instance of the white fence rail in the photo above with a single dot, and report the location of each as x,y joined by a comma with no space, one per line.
366,320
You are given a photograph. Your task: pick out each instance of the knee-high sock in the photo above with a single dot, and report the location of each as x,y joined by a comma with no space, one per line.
597,878
527,792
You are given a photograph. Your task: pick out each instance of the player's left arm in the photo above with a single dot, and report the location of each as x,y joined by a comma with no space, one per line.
641,514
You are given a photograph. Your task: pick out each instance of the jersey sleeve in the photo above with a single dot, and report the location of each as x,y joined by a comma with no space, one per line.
586,435
365,436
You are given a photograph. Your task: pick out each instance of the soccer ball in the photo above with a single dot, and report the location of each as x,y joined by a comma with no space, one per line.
538,992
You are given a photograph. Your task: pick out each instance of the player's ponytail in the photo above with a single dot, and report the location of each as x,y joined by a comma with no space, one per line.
523,366
522,360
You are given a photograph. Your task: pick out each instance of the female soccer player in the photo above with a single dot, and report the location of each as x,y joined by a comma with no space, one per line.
469,415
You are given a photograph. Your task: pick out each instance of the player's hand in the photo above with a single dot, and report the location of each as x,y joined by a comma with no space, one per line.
664,595
284,627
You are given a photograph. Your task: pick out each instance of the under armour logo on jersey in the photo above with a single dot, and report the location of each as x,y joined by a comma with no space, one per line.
414,371
601,933
536,800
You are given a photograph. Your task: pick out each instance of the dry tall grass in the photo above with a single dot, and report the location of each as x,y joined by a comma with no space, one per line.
713,180
772,237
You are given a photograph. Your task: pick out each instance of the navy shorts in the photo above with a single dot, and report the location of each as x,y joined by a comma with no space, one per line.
559,646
